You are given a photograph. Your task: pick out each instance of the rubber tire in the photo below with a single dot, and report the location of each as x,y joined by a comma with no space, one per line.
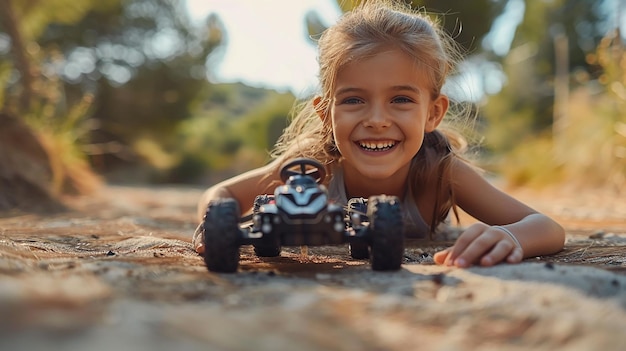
386,231
265,249
221,236
359,249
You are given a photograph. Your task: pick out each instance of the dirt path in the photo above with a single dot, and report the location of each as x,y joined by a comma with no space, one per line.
119,273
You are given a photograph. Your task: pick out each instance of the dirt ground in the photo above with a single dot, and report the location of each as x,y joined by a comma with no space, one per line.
117,272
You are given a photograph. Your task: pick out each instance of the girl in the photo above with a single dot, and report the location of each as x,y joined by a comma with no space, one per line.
375,126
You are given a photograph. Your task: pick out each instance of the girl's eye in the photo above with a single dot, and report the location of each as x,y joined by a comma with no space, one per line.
352,101
401,100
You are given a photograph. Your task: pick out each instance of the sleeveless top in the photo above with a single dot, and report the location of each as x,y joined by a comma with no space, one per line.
414,224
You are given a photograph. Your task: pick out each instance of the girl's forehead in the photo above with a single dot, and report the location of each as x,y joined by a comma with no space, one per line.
384,58
394,67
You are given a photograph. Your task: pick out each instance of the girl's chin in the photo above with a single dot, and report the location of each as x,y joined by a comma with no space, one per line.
375,172
377,169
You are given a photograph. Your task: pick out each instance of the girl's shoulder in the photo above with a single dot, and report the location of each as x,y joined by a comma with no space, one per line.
462,167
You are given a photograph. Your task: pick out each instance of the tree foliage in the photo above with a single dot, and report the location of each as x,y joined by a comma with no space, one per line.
233,133
525,106
143,59
143,63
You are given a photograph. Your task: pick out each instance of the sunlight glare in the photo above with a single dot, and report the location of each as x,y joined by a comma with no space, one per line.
266,41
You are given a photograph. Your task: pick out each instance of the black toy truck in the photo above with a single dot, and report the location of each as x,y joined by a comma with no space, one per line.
300,213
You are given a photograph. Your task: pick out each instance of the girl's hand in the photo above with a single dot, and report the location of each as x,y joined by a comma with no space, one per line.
481,244
198,240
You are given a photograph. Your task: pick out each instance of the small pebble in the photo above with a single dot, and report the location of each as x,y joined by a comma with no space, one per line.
597,235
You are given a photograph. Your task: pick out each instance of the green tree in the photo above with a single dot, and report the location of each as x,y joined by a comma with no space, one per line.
145,62
142,60
22,23
109,72
234,133
38,154
524,107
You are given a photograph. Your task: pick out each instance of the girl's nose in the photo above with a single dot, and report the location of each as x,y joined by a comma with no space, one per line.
377,118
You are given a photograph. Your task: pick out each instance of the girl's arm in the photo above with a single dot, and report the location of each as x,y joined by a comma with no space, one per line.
243,188
502,217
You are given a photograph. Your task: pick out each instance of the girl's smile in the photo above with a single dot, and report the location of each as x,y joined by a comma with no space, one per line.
377,146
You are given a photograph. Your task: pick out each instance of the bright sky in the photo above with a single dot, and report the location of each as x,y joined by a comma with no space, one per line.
267,43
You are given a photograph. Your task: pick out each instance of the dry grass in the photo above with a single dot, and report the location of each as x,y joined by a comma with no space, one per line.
588,152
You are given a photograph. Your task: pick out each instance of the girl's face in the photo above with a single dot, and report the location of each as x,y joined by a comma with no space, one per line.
380,110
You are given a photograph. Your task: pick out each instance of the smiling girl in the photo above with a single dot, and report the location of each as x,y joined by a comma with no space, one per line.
375,125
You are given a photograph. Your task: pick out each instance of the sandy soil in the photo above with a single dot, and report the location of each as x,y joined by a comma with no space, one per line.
117,272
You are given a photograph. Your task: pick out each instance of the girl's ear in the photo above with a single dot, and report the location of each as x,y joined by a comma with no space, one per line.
437,111
321,107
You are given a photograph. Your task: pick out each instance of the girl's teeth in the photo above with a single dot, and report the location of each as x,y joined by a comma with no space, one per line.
377,146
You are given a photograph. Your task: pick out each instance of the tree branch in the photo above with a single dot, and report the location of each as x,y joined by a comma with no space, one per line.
20,55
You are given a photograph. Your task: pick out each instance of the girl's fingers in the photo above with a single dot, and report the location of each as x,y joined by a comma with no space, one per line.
463,242
501,251
198,239
516,256
483,244
440,257
200,248
490,247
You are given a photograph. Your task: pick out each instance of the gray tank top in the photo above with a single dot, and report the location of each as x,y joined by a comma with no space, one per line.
415,226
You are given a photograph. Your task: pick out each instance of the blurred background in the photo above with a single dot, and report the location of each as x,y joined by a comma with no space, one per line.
194,91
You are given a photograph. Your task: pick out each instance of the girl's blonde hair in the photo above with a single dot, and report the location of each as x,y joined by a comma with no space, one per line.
374,26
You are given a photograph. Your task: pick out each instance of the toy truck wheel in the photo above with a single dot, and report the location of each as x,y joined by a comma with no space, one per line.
264,249
221,235
386,231
359,249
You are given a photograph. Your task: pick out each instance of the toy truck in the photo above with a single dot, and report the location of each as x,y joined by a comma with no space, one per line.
301,213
